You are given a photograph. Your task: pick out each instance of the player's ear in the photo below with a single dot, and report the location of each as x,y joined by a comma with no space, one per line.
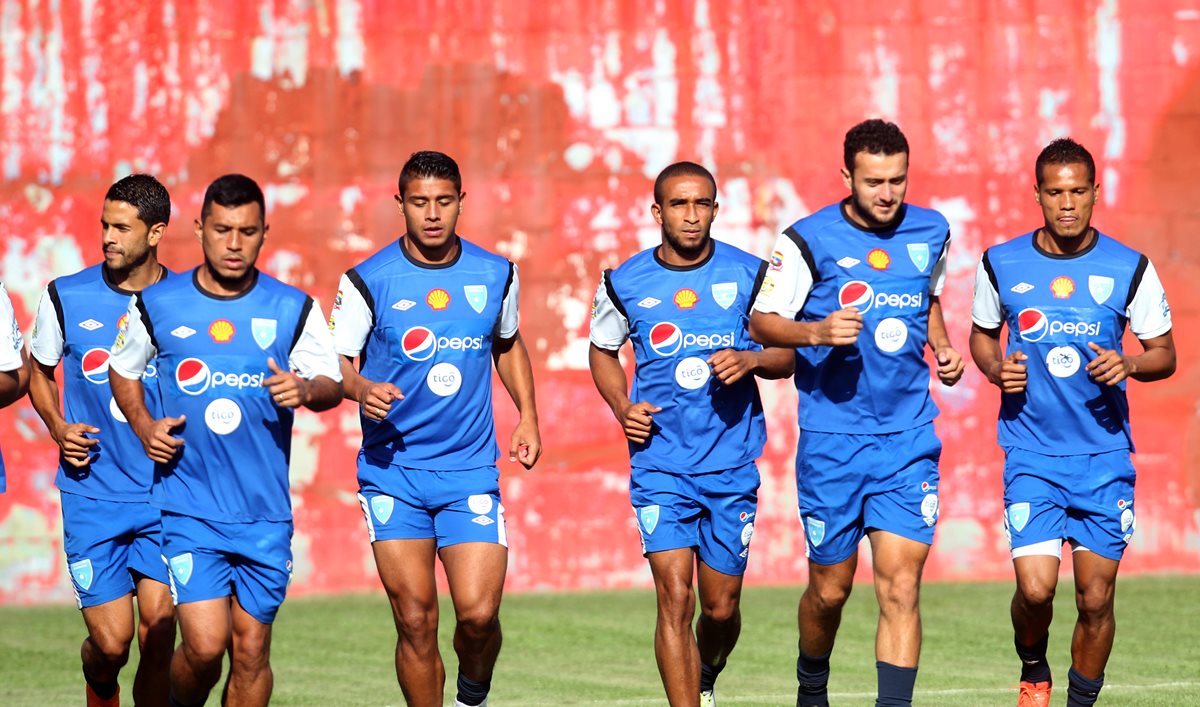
399,202
156,233
716,208
656,211
198,229
461,197
266,227
847,178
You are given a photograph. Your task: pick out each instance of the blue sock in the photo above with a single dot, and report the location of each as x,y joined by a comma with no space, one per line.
1034,666
813,676
471,692
1081,691
708,676
895,685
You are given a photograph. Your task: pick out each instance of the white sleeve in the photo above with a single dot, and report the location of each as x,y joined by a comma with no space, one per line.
313,354
1148,312
610,328
788,281
132,349
350,320
46,343
985,307
938,277
11,341
510,321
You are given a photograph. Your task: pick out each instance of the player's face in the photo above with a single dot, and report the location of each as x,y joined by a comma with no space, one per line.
431,207
231,238
1067,196
877,186
125,237
686,214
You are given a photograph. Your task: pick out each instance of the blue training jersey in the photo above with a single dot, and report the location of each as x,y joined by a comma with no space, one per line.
77,322
429,330
676,318
1053,306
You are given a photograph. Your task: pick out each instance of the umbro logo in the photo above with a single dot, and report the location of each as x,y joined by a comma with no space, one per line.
182,332
404,305
848,262
90,324
1022,287
649,302
482,520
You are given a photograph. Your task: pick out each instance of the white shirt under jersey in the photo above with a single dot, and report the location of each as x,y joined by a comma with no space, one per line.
11,341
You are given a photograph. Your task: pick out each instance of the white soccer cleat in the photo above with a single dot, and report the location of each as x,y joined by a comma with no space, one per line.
708,699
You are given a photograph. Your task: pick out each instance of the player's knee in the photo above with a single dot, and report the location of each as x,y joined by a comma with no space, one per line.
1094,603
204,651
828,596
112,648
415,621
156,631
898,594
722,609
676,601
1036,592
479,622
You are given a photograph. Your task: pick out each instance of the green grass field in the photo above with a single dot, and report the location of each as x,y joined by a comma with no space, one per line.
597,649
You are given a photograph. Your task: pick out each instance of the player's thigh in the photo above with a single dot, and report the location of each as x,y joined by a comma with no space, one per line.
110,625
832,472
1101,516
903,495
263,567
720,593
250,639
475,572
729,500
667,512
205,628
154,603
407,572
96,539
1035,502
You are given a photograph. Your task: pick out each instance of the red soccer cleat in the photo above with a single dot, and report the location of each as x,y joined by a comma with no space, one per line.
1034,694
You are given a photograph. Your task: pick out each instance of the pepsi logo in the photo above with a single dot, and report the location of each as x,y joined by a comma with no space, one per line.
665,338
419,343
858,294
1033,324
192,376
95,366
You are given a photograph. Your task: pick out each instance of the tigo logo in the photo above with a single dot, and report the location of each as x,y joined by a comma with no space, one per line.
879,259
856,293
438,299
419,343
1062,287
221,331
686,298
95,366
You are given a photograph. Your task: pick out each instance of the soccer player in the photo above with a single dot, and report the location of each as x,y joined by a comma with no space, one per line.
697,425
237,351
14,366
426,316
855,288
111,532
1066,293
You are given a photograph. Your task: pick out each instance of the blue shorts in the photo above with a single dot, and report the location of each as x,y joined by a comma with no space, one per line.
712,512
210,559
109,544
847,484
1084,498
451,506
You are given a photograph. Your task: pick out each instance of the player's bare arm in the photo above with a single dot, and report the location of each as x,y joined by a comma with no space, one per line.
950,364
375,398
14,384
637,419
290,390
1007,373
516,373
730,366
71,437
1156,362
839,328
155,435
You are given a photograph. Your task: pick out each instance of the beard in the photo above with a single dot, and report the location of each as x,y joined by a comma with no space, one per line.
687,251
863,211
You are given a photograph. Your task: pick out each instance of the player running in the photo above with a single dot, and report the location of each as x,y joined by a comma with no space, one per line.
855,288
426,317
111,532
697,424
237,351
1066,293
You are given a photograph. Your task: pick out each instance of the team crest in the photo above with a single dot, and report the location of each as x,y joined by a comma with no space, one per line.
816,531
263,331
476,297
1101,288
724,293
649,518
381,507
1018,516
82,573
181,567
918,253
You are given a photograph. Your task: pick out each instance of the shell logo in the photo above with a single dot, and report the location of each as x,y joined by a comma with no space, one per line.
878,259
686,298
1062,286
221,331
438,299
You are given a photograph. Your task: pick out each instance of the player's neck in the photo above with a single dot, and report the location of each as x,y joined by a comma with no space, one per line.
137,278
438,255
1058,245
214,284
683,259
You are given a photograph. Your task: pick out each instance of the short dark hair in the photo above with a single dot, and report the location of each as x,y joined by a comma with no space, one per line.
875,137
681,169
429,164
144,193
1064,151
232,191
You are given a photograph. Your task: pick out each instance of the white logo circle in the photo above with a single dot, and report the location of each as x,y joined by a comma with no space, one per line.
480,504
1063,361
444,379
747,533
116,411
890,335
692,373
1127,520
223,416
929,505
